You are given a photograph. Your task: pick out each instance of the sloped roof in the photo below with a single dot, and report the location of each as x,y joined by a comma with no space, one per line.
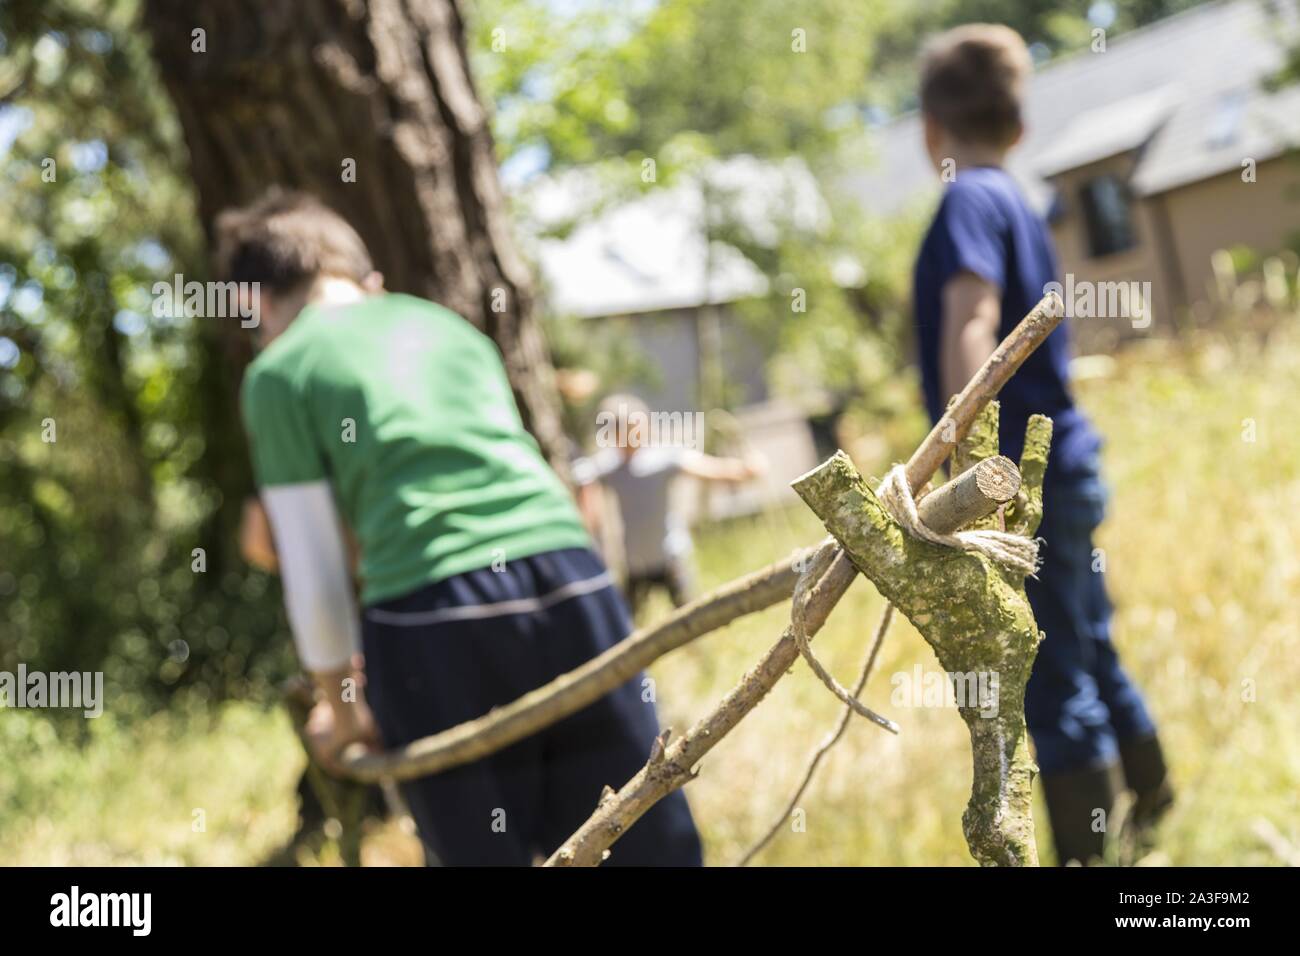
1109,130
1188,87
650,253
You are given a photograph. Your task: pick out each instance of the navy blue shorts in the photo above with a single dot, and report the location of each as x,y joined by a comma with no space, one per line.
452,651
1079,704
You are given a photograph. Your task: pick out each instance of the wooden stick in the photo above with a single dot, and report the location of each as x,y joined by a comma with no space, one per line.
975,493
571,692
831,739
574,690
988,381
966,498
341,800
979,622
671,766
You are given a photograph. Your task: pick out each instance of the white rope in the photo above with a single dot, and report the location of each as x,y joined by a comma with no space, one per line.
1012,551
814,761
821,562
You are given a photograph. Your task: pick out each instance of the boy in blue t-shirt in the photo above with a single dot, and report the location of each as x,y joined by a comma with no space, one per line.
985,262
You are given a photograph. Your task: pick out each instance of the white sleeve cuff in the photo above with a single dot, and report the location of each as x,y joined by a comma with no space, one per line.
314,568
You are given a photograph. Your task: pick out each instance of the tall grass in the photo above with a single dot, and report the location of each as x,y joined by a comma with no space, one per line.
1201,551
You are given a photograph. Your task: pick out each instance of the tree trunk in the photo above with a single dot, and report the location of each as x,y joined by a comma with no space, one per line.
368,104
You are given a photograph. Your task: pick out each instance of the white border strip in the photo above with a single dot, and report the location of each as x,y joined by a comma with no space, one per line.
478,612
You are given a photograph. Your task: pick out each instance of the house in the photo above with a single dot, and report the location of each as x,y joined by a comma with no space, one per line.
644,260
1147,154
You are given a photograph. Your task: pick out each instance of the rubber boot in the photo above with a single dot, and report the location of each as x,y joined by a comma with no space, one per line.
1148,778
1073,800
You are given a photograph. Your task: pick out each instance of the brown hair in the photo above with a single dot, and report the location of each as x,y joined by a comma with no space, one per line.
972,82
286,239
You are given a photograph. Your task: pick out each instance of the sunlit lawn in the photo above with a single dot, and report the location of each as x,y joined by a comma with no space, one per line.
1201,550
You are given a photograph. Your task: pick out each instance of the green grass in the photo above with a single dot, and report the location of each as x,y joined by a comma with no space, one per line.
168,790
1201,550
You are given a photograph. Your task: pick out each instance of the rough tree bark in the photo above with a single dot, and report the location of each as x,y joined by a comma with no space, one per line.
289,92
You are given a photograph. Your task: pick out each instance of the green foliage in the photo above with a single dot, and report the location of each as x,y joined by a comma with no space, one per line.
98,529
587,81
690,83
1050,27
119,453
878,799
752,76
687,83
212,787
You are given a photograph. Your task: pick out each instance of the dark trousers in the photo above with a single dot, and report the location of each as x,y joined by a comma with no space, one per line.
1079,704
674,577
452,651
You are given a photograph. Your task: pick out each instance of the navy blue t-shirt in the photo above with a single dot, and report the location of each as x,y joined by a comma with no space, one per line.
985,226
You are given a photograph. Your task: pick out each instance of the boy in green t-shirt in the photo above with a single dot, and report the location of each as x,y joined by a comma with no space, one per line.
392,417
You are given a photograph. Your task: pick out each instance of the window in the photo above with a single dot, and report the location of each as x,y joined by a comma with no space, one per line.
1107,215
1225,124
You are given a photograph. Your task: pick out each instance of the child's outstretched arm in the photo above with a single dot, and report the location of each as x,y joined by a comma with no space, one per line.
712,468
968,332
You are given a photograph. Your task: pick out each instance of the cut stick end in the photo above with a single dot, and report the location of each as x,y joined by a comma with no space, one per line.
1053,305
976,493
812,473
998,479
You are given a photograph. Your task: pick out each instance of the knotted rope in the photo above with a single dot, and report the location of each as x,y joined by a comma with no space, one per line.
1012,551
814,761
812,573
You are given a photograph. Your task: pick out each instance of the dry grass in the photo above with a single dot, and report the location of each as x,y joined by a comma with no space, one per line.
1201,547
1202,563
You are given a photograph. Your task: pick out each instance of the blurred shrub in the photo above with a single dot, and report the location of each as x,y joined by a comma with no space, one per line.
121,452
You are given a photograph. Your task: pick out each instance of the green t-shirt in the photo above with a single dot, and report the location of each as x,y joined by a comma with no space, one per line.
405,409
